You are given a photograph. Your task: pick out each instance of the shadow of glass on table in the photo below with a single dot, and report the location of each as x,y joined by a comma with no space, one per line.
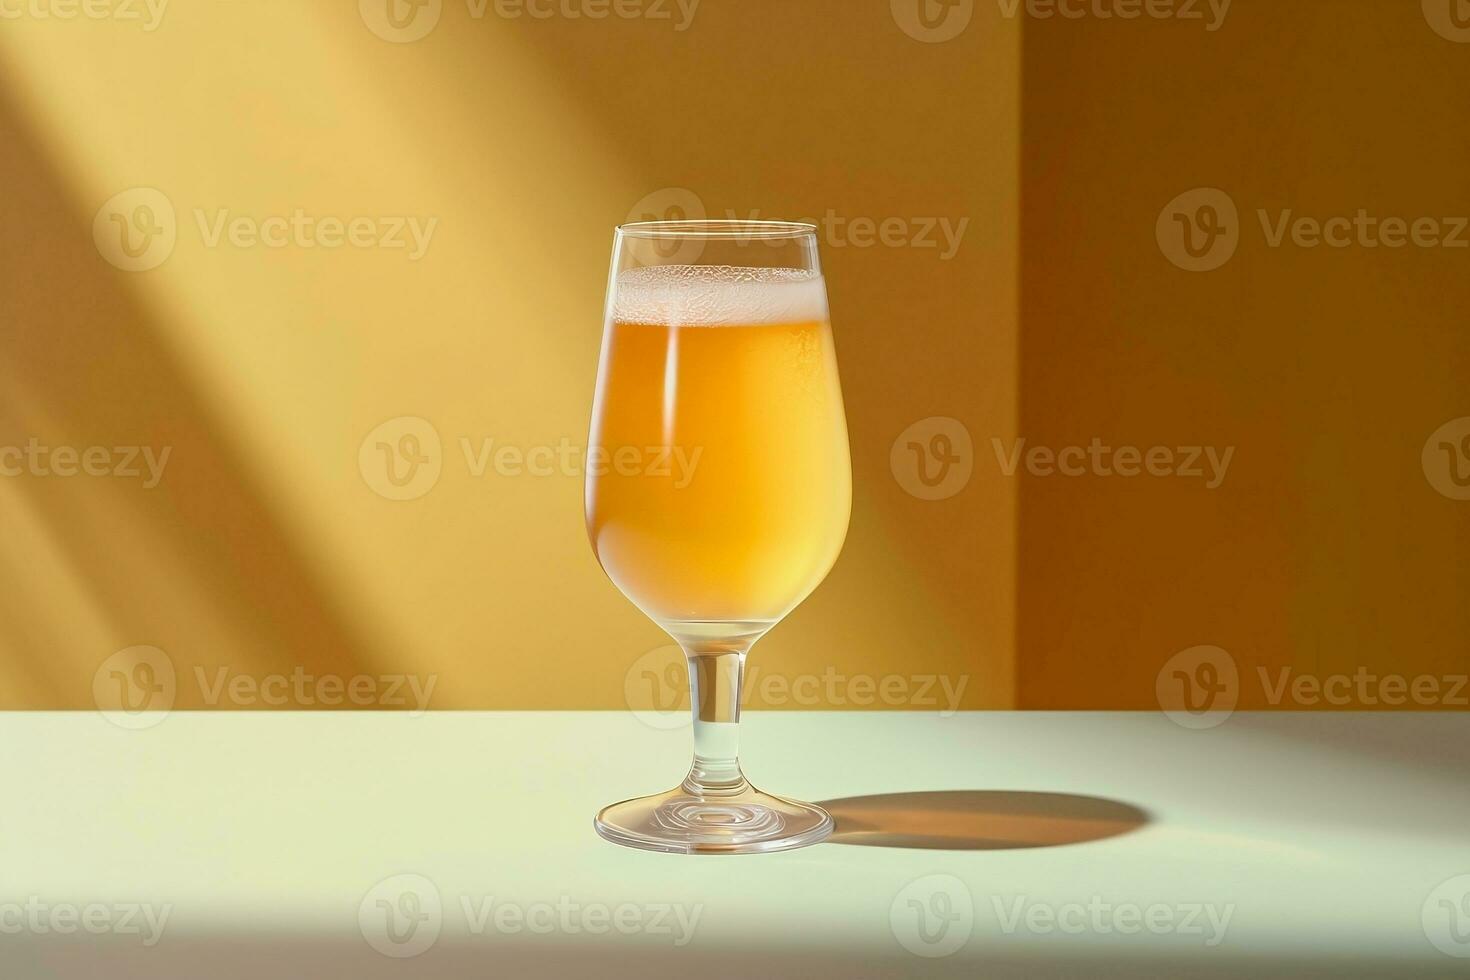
979,820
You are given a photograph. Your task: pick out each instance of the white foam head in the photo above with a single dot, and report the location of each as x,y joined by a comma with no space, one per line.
718,296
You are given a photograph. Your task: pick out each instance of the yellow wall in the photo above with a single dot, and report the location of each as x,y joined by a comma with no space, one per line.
1326,549
270,374
266,547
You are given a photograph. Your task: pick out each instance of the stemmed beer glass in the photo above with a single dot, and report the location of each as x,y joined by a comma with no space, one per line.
717,347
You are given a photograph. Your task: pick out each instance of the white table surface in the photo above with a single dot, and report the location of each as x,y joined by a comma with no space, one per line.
263,835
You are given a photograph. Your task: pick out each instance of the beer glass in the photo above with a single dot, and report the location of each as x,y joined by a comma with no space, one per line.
717,360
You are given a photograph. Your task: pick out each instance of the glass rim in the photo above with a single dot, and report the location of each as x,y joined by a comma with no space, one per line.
718,228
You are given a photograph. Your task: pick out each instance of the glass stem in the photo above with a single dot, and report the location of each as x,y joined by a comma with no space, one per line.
716,671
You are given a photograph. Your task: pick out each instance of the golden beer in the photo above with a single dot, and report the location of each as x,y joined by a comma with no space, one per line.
719,487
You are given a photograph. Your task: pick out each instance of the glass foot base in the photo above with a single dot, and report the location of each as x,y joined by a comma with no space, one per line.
747,822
